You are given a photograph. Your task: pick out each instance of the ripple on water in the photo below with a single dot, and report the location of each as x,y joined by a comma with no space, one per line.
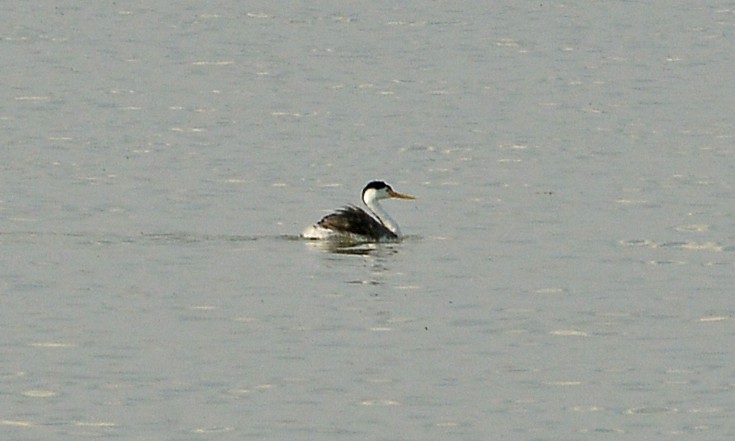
682,245
652,410
379,403
16,423
694,228
206,430
715,318
39,393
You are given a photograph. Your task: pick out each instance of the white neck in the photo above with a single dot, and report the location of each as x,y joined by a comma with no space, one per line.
384,217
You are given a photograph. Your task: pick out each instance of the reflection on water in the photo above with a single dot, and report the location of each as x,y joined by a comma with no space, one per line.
349,246
375,264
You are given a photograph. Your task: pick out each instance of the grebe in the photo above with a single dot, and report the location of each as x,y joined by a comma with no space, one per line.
354,223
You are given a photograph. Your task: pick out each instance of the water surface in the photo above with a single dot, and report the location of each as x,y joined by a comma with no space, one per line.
568,260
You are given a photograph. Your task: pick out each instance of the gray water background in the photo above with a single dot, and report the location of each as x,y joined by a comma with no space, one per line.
568,270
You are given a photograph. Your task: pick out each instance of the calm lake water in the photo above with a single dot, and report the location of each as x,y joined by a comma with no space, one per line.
569,262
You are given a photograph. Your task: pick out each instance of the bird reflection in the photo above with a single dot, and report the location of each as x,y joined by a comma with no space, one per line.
346,246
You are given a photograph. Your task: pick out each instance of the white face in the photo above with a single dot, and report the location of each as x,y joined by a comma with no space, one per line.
376,195
384,193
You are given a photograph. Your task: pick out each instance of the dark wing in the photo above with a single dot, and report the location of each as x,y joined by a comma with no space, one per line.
354,220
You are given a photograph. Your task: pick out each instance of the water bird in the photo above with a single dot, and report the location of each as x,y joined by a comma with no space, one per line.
354,223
